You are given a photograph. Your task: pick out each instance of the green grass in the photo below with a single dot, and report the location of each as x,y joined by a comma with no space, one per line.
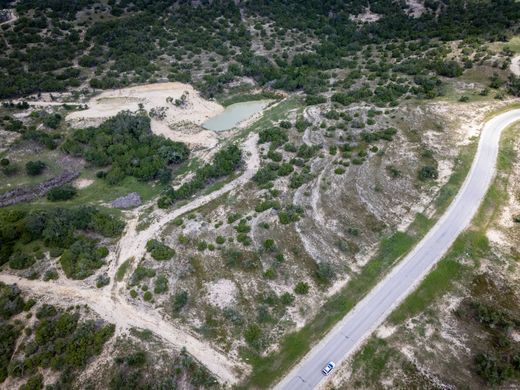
21,178
247,97
102,192
514,44
439,281
372,359
123,269
274,114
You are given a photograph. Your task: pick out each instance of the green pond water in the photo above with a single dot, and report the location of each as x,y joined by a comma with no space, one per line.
234,114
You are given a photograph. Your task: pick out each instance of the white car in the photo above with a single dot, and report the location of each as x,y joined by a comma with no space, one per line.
328,368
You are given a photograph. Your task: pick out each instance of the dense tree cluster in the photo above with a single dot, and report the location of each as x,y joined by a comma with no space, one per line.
58,340
60,230
225,162
126,144
125,46
62,342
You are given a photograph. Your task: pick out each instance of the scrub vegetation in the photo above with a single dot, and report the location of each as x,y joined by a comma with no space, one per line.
372,126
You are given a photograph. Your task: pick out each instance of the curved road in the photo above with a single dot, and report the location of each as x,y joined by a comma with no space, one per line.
369,313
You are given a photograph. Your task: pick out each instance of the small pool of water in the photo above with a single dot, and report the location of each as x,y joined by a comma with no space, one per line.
234,114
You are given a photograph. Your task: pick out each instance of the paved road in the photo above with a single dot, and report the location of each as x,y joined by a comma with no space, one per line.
348,335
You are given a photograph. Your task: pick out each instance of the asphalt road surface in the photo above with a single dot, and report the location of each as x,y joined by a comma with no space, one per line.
368,314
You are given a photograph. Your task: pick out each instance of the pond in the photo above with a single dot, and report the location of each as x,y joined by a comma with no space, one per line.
234,114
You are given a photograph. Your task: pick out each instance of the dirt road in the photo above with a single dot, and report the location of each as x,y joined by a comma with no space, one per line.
110,302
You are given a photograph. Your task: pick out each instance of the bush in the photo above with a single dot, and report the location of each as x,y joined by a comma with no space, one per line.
428,172
81,259
325,273
277,136
160,285
287,299
11,302
290,214
34,168
139,274
159,251
20,260
10,169
51,274
62,193
301,288
148,296
179,301
253,335
102,280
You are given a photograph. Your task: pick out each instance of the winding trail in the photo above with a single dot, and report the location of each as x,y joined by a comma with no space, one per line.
349,334
111,304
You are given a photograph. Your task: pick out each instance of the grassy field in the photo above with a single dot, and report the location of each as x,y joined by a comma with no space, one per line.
19,160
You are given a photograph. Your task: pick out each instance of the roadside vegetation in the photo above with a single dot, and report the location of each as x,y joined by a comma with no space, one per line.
486,310
363,149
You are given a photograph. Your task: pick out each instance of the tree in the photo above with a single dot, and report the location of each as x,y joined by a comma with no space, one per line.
34,168
62,193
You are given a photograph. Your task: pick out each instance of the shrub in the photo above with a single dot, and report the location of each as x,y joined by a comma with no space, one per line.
20,260
51,274
252,335
266,205
148,296
81,259
34,168
179,301
102,280
290,214
287,299
285,124
202,245
275,135
62,193
428,172
269,245
11,301
161,284
325,273
285,169
301,288
159,251
139,274
10,169
220,240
